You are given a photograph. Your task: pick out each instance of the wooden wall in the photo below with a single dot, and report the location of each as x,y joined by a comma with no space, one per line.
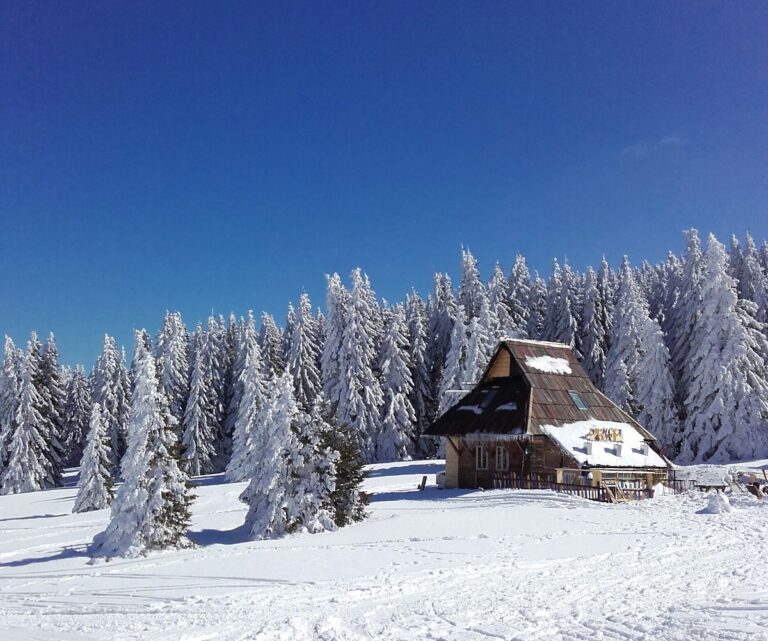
500,366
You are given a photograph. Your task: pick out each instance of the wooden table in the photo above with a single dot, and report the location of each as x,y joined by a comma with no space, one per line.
706,487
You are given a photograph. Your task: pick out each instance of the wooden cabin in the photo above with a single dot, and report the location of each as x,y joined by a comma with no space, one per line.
535,419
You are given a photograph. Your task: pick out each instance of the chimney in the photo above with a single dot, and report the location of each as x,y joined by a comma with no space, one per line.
588,447
617,449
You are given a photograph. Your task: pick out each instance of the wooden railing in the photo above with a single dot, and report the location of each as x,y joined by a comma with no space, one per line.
603,492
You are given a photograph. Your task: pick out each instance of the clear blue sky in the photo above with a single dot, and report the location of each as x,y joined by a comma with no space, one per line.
224,156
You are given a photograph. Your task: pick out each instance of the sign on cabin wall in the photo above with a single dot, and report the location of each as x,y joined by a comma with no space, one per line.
610,434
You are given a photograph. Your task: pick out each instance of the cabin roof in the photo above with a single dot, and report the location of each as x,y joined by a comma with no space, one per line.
542,376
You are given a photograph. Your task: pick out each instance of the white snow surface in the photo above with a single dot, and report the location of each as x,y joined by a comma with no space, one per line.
454,565
571,437
549,364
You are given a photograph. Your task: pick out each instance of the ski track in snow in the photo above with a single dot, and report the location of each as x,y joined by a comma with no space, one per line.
441,565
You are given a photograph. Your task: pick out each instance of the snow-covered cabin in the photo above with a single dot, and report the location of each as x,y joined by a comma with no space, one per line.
535,414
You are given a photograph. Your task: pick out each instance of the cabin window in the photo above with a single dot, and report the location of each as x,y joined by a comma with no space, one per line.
481,458
502,459
577,400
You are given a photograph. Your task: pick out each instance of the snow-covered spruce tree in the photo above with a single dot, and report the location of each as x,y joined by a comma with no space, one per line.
727,401
421,394
471,288
95,482
151,507
282,477
360,394
684,315
673,275
498,300
735,262
753,285
199,427
111,390
519,302
594,343
290,322
559,322
440,319
217,357
606,285
330,366
171,356
246,436
10,388
233,394
348,500
452,381
395,436
482,341
764,256
271,346
537,307
77,416
27,464
53,398
303,356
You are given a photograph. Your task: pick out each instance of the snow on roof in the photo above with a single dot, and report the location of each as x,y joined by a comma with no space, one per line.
605,443
549,364
530,341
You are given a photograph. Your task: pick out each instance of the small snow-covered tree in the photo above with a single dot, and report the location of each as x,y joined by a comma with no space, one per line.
151,507
252,395
171,356
27,465
452,382
199,427
77,416
95,482
303,356
727,400
108,390
271,346
395,436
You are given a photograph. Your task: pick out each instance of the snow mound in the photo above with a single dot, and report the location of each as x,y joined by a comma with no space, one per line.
718,504
549,364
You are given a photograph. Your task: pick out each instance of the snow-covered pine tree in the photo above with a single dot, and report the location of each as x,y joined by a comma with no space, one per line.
559,322
271,346
440,319
606,285
764,257
452,382
199,427
107,390
151,507
727,401
77,416
396,433
519,298
290,322
27,464
53,399
421,395
303,356
234,392
95,482
360,395
171,356
252,394
684,315
735,262
498,300
471,289
480,346
753,285
537,307
593,337
10,388
330,366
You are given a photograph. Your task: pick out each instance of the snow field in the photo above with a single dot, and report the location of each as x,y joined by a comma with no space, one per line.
452,565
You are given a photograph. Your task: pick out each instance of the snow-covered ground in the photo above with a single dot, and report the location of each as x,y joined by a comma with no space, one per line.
436,564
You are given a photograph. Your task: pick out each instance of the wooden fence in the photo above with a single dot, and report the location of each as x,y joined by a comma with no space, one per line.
606,492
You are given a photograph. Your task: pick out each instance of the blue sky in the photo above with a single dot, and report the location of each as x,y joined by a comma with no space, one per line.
224,156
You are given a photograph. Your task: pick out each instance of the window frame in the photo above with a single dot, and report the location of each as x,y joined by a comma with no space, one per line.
502,454
577,400
481,455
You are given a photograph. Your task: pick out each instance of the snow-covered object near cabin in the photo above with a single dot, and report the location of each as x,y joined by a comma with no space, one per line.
548,364
717,503
151,507
95,483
